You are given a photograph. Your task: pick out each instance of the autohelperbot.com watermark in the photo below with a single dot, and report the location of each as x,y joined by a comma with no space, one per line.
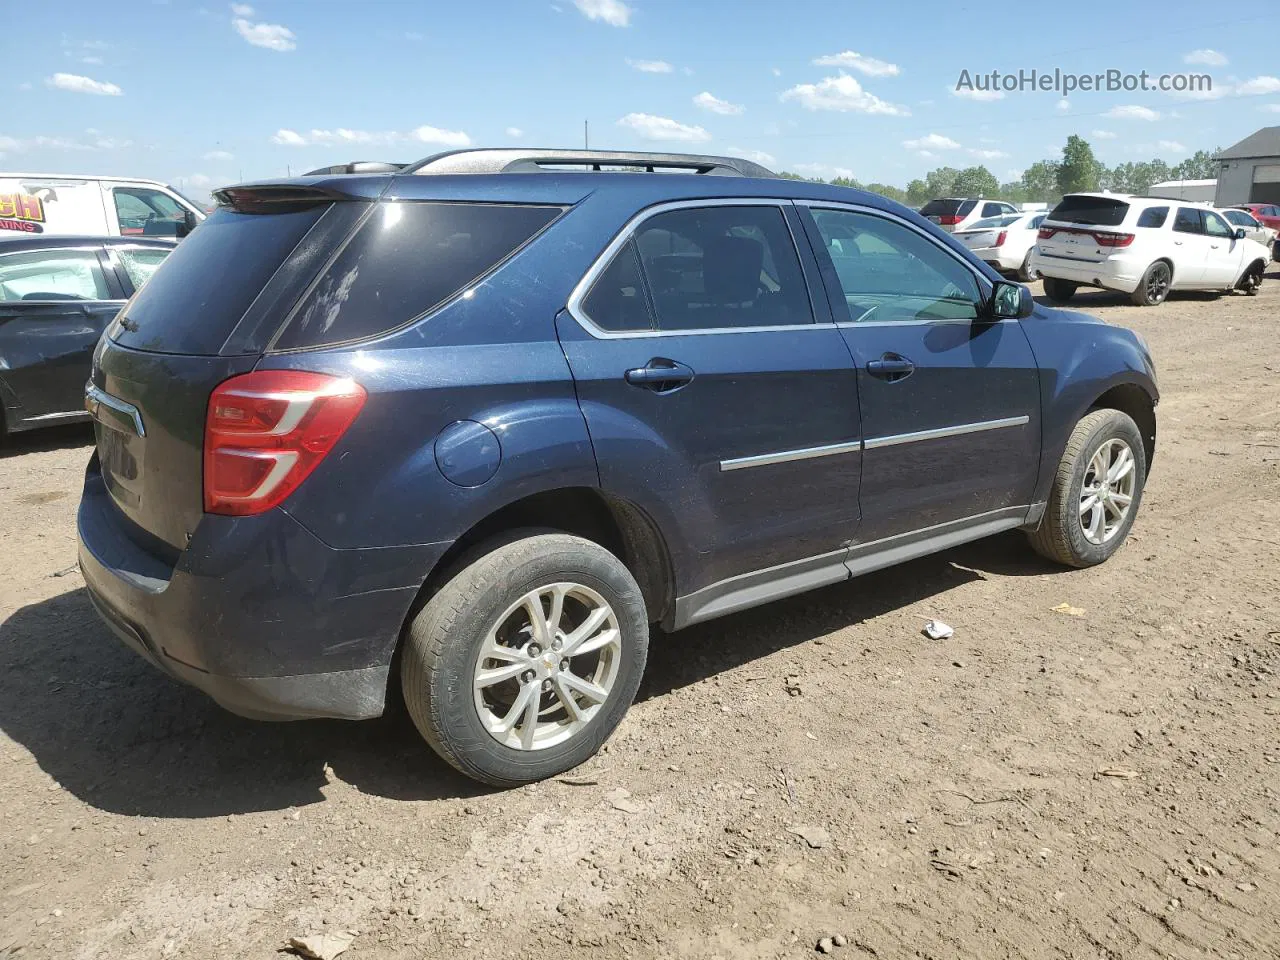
1064,82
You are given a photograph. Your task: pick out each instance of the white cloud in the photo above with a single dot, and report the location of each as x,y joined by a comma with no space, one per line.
515,133
197,179
869,66
92,61
987,154
824,170
79,84
757,156
343,135
40,142
707,101
932,141
613,12
968,93
219,155
1206,57
775,71
842,93
663,128
650,66
242,10
1064,105
272,36
1132,112
25,85
1102,134
1173,146
1257,85
1271,107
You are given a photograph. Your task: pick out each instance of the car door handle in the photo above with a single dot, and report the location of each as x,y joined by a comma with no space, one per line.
660,375
891,367
1177,243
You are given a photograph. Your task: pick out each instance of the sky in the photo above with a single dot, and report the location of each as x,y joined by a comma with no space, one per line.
200,94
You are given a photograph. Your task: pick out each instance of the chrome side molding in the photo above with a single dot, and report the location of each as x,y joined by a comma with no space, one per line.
937,434
786,456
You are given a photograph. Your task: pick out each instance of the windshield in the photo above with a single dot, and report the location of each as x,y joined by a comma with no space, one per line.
200,208
1240,218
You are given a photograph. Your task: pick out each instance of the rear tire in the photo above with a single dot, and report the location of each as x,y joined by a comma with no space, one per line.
1059,291
1081,526
1025,273
1154,286
490,689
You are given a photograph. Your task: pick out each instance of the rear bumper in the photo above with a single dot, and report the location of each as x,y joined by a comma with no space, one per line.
1114,273
268,620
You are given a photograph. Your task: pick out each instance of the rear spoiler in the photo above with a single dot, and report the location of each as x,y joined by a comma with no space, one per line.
272,198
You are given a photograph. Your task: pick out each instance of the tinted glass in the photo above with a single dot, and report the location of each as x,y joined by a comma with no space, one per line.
941,208
617,298
140,263
722,267
1153,217
210,278
140,210
1214,225
406,259
1095,211
889,272
993,209
1241,219
1188,221
52,275
991,223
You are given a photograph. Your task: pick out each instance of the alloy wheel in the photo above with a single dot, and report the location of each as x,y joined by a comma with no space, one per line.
1106,496
1158,284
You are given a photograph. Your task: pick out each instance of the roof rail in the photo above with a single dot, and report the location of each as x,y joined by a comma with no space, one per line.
522,160
357,166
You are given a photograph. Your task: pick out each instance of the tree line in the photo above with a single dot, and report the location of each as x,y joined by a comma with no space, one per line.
1045,181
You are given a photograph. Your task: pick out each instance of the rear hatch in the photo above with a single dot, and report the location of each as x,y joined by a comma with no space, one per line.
1084,228
204,317
947,213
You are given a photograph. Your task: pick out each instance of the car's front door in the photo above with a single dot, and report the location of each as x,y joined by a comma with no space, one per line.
950,399
1223,259
716,399
54,305
1191,247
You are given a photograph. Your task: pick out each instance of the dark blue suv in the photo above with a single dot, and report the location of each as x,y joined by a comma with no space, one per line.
473,426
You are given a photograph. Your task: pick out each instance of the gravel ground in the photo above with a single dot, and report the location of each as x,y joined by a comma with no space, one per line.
1104,785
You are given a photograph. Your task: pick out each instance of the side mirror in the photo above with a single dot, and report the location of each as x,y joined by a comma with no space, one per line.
188,224
1240,233
1011,301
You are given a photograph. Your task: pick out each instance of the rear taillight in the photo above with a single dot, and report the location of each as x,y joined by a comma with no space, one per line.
1004,235
1046,233
266,431
1113,239
949,221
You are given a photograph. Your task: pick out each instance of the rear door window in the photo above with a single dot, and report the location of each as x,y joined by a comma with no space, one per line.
1188,220
53,275
209,280
406,259
1093,211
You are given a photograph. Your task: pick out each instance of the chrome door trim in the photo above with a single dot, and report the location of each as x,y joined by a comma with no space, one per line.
602,262
95,399
787,456
958,430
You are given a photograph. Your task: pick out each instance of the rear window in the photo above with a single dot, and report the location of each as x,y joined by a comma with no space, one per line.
406,259
948,208
193,302
1094,211
990,223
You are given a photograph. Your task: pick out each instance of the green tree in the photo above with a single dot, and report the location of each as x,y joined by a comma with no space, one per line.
1013,192
917,193
1080,169
976,182
1040,181
941,182
845,182
888,190
1199,166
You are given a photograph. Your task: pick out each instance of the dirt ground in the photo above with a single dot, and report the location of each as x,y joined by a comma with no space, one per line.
1043,784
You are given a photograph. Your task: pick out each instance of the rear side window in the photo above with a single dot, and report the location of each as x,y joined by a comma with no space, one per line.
194,302
1093,211
141,262
617,299
1188,221
1153,217
993,209
406,259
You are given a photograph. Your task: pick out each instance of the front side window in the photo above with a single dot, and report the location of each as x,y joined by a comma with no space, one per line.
1188,221
1215,226
142,210
890,272
714,267
141,263
52,275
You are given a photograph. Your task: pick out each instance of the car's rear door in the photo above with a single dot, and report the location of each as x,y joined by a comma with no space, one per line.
54,305
716,398
949,399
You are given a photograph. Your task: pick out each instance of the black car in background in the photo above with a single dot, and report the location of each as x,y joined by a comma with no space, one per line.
57,294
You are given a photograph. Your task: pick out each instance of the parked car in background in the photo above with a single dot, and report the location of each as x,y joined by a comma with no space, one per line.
1253,229
59,204
957,213
459,426
1267,214
1004,243
57,294
1144,247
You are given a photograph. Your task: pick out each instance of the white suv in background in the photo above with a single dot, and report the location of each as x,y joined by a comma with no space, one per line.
1143,246
957,213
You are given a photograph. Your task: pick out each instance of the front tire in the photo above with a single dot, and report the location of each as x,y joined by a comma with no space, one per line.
521,665
1154,286
1096,492
1059,291
1251,282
